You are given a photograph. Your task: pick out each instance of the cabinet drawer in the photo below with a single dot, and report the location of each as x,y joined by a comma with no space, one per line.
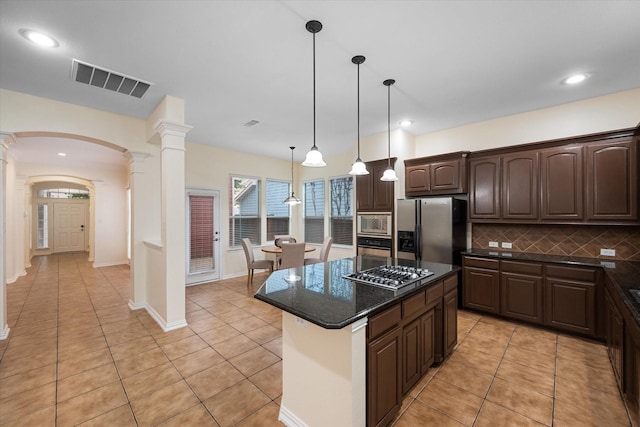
384,321
434,293
413,304
521,267
572,273
492,264
450,283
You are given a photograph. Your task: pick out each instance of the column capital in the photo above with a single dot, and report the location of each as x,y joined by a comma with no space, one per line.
166,127
6,139
135,156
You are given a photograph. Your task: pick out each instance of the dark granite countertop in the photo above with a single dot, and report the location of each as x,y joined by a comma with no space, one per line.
323,297
624,275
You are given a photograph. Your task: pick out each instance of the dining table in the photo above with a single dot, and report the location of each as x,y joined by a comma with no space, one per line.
273,249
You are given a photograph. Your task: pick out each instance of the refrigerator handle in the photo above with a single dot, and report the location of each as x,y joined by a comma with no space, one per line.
418,239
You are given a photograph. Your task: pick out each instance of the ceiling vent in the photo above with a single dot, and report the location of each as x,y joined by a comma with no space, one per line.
251,123
93,75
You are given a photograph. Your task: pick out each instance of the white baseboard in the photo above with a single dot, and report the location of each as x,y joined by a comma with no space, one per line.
166,327
289,419
133,306
4,334
110,264
16,277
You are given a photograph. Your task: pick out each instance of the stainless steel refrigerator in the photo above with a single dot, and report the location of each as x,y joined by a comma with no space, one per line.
432,229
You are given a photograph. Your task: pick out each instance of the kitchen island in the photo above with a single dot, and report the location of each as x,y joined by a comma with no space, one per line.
352,350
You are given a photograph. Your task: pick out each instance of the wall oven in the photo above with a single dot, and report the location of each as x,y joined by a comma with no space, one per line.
376,246
374,225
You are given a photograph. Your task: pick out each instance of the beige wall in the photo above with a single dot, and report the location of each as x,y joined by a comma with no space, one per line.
610,112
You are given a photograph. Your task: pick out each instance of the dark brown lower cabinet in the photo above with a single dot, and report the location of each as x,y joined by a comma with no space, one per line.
521,291
614,336
571,299
481,285
384,378
632,370
404,341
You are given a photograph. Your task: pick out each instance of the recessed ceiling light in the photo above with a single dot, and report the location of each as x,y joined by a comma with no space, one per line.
575,79
62,154
38,38
405,123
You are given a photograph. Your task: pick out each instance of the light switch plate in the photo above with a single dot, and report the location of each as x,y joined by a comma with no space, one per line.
493,244
608,252
506,245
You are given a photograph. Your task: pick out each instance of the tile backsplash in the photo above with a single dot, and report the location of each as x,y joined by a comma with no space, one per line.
575,240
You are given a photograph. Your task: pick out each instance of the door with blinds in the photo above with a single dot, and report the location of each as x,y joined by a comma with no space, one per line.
203,236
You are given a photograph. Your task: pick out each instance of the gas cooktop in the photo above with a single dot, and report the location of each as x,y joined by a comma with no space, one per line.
390,276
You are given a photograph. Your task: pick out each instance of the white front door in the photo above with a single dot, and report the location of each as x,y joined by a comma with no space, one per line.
68,227
203,236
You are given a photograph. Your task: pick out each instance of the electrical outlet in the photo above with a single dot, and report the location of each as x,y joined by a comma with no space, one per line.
493,244
300,323
506,245
608,252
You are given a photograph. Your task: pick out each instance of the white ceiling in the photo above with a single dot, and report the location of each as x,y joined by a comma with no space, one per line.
455,62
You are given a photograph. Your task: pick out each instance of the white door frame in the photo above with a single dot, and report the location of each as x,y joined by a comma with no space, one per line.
209,275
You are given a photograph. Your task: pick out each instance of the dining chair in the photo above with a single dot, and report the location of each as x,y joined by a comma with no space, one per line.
324,252
292,255
252,263
279,239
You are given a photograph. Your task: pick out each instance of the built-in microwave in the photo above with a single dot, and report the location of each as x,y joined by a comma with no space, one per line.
374,224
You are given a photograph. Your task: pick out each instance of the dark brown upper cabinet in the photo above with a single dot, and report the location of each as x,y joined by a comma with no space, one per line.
612,171
585,179
520,185
436,175
373,195
484,188
561,183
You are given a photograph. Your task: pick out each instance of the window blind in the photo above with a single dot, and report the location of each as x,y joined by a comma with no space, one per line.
341,218
244,210
277,211
201,255
314,211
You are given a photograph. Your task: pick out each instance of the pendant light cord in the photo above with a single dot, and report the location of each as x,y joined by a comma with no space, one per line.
389,125
314,90
358,111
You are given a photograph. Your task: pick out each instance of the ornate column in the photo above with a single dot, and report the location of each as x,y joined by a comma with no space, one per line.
137,282
173,221
5,140
20,222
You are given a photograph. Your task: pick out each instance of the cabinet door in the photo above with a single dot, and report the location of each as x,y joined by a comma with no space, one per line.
416,179
521,297
571,306
520,186
614,336
382,190
427,330
364,192
612,184
484,188
384,378
481,289
450,319
561,182
445,176
411,354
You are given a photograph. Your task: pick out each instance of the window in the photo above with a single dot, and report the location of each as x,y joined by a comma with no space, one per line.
43,226
341,219
314,211
64,193
277,211
244,210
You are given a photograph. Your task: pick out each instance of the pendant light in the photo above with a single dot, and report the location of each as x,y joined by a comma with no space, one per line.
292,199
358,167
389,173
314,156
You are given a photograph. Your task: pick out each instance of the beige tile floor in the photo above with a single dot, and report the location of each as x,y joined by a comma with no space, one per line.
77,355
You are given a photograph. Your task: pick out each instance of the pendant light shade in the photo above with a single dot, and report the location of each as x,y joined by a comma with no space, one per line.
358,167
314,156
389,173
292,199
